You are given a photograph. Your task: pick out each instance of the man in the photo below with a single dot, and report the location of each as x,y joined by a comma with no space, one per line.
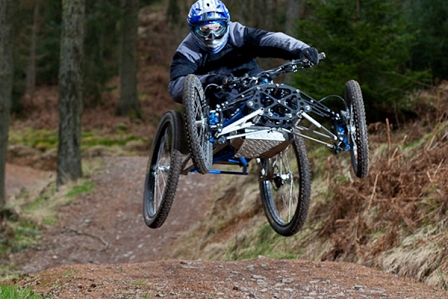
217,48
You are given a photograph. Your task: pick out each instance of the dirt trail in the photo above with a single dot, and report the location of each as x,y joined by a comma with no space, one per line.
106,226
102,249
18,177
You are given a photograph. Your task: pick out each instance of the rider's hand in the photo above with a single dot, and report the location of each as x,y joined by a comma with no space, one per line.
216,79
311,54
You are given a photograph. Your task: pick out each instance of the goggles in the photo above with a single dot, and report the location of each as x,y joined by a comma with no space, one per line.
210,29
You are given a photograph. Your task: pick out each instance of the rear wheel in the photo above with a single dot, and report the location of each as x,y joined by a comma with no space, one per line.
285,188
357,129
196,113
162,174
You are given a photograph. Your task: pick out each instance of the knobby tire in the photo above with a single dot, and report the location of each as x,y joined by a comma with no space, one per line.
286,206
358,139
196,114
162,174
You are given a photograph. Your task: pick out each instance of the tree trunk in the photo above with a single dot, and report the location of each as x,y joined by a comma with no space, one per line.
129,104
6,81
257,11
239,11
292,15
269,14
31,72
70,91
173,13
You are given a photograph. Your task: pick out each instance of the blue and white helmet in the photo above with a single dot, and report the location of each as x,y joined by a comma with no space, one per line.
214,14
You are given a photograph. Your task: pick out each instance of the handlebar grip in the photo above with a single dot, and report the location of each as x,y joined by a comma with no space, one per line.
321,55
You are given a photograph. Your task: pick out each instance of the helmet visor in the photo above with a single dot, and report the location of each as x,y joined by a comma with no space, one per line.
210,29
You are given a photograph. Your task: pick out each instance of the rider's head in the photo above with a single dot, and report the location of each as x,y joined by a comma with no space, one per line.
209,23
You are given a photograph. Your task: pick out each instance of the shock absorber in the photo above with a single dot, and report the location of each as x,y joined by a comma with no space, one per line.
342,137
215,122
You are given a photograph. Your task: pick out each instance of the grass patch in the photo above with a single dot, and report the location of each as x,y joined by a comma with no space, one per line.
266,242
26,234
90,139
17,233
84,187
15,292
139,283
68,273
41,141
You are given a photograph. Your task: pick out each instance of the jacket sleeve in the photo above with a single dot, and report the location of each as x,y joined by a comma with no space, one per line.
175,89
185,62
273,44
181,67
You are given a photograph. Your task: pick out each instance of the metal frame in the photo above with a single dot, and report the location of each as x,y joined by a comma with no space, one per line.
241,126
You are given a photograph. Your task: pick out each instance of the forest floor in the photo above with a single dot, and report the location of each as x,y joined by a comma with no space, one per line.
101,248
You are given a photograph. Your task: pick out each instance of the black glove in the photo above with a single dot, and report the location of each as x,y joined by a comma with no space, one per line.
216,79
311,54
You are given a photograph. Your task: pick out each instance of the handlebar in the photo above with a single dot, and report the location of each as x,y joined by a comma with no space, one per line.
289,67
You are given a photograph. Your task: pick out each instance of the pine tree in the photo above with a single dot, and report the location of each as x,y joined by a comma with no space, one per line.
31,71
293,11
430,22
173,13
6,82
102,41
129,104
367,41
70,91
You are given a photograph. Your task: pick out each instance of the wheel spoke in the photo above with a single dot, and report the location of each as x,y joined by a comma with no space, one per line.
285,188
164,169
285,191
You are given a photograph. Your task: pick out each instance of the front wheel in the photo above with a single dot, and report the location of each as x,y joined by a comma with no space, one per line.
285,188
162,174
357,129
196,113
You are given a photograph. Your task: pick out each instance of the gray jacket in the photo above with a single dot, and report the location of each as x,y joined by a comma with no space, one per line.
238,57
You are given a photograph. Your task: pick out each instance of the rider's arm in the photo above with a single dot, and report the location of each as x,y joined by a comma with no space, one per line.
185,62
180,67
175,89
267,44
